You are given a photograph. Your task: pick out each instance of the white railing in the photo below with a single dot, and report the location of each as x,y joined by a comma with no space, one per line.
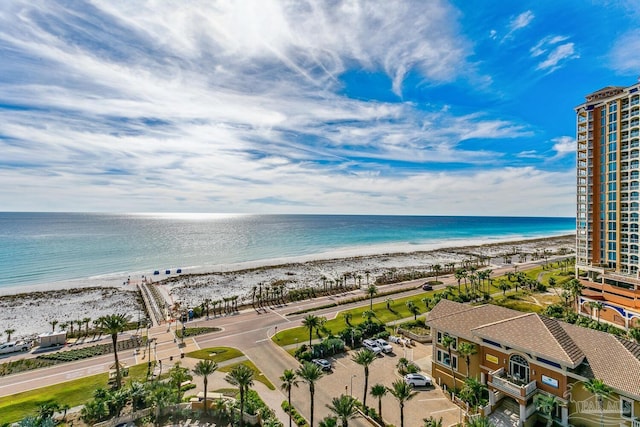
530,388
506,386
499,381
636,422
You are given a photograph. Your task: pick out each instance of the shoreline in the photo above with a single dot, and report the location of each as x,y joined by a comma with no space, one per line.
119,279
29,311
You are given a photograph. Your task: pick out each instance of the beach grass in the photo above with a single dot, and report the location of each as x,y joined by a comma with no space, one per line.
217,354
73,393
257,373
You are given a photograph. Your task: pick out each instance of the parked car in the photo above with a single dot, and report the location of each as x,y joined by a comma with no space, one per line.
395,339
385,346
324,364
427,287
417,380
372,346
14,346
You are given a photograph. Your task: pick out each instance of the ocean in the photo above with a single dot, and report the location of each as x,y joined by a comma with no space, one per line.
42,248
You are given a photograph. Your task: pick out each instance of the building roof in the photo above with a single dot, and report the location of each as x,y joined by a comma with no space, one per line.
614,360
459,319
551,341
592,354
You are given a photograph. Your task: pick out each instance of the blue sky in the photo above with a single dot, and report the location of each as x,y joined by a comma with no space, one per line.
375,107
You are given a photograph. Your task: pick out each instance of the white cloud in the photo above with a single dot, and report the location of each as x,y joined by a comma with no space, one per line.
557,56
521,21
216,106
517,23
622,57
564,145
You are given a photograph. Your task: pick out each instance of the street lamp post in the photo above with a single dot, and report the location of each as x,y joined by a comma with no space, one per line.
148,353
351,387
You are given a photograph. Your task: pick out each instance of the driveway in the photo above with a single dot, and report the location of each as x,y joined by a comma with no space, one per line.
428,400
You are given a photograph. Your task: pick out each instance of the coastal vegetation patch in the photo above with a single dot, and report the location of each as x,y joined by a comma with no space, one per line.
192,332
50,359
257,373
217,354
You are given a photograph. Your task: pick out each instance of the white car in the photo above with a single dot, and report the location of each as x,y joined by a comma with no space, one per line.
324,364
385,346
395,339
372,346
417,380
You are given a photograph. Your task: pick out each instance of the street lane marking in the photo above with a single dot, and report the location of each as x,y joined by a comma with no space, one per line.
275,312
446,410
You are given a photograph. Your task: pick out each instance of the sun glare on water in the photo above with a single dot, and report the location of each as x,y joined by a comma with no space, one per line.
191,216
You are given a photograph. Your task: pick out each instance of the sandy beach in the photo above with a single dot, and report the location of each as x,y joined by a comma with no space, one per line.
29,310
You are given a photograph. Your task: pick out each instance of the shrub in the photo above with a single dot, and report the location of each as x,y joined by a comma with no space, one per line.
295,415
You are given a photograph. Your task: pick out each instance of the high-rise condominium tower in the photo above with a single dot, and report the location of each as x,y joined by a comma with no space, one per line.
608,203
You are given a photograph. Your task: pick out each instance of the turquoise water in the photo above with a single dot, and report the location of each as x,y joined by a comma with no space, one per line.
38,248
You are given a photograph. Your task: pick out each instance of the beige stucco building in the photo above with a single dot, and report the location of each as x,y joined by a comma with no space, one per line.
519,355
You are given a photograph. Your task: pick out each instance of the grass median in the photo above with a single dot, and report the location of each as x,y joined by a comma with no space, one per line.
73,393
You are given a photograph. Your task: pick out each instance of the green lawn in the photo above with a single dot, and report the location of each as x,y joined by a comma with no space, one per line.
257,374
73,393
217,354
397,310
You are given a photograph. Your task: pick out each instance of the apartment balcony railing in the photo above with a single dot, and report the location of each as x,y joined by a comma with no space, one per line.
511,386
636,422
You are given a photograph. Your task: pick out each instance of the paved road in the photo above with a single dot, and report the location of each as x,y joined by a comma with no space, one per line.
249,331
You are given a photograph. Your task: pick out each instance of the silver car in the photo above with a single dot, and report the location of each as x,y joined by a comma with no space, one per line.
324,364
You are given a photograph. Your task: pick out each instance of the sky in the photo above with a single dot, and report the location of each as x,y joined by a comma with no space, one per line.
431,107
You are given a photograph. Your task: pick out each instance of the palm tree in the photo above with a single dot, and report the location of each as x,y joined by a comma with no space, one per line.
389,301
9,332
242,377
328,421
432,422
178,374
379,391
365,358
372,290
600,390
596,305
575,288
113,324
86,322
634,333
503,286
310,373
403,392
448,342
345,408
413,309
545,403
53,324
472,391
289,380
311,322
479,422
437,268
347,316
466,349
203,369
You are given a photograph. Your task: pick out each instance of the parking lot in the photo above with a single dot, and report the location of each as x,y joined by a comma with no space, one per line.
429,401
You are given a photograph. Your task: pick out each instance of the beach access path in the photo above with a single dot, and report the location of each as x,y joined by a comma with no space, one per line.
250,331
